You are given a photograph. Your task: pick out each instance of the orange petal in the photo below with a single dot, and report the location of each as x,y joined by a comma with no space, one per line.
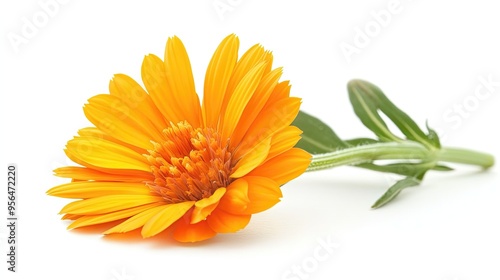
108,203
285,166
272,119
217,78
187,232
253,158
284,140
235,200
205,206
95,189
248,60
180,80
103,153
281,91
224,222
165,218
113,216
263,193
250,195
239,99
256,103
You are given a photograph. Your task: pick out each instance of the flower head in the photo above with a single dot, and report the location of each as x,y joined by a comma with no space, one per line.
156,158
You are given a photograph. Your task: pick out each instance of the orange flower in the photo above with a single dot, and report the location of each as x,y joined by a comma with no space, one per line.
156,159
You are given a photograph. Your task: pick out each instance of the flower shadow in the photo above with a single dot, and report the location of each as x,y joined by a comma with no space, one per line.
245,237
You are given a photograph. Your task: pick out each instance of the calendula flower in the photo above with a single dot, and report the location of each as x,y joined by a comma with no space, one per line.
156,158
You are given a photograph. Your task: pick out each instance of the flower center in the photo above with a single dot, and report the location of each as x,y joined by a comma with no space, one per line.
189,164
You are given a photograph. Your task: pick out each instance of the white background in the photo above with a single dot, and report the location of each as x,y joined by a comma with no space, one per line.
428,57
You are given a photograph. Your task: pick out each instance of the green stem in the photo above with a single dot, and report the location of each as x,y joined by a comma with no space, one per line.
407,150
464,156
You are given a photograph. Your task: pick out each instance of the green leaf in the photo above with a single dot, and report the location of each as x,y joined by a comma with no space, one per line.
393,191
367,111
442,168
405,169
317,137
371,94
433,136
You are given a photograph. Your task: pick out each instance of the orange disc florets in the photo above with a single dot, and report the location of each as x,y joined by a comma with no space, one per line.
189,164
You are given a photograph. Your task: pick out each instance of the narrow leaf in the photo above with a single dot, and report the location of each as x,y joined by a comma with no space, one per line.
317,137
405,169
433,136
366,108
393,191
442,168
405,124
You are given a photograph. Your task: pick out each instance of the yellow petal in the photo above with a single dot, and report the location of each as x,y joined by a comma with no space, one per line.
136,98
103,153
97,133
94,189
217,78
113,216
180,80
70,217
108,203
154,77
263,193
284,167
224,222
239,99
205,206
86,174
137,220
235,200
253,158
114,117
164,218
